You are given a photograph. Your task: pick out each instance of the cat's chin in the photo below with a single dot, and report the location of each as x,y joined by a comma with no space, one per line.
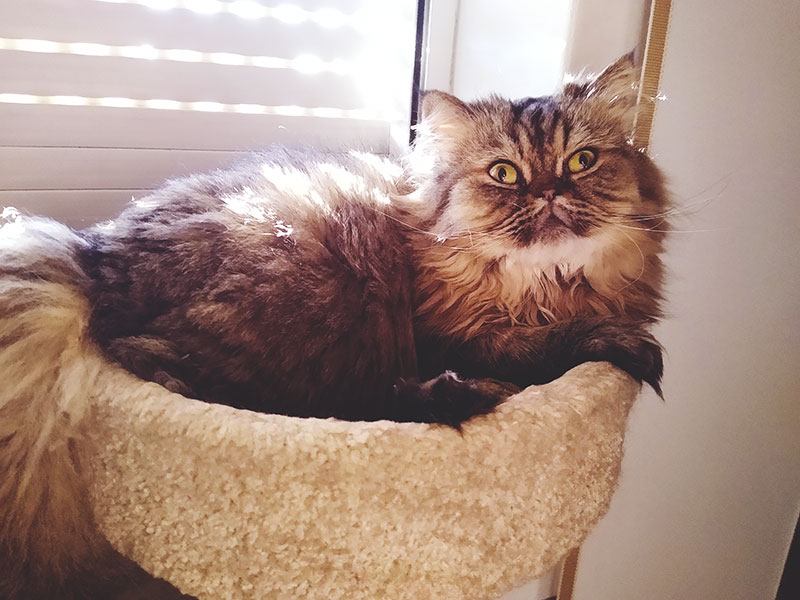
551,224
560,248
552,229
547,231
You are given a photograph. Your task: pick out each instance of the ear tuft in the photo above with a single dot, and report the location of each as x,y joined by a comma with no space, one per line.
621,79
614,92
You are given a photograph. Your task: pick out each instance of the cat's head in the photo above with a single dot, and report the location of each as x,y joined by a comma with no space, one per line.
551,181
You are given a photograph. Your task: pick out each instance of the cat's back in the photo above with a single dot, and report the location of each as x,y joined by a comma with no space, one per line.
301,206
279,256
273,193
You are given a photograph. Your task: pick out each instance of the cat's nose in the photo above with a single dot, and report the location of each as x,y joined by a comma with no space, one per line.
549,195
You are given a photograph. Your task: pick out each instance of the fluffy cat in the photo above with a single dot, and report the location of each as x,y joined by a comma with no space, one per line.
512,248
518,239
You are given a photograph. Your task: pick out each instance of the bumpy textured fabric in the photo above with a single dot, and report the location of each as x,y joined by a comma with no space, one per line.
230,504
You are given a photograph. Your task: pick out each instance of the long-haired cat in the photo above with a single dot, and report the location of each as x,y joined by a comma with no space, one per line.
517,240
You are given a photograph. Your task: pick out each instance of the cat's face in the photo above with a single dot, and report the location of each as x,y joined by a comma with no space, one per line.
553,179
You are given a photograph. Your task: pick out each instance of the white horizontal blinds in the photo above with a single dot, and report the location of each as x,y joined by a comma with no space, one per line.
116,95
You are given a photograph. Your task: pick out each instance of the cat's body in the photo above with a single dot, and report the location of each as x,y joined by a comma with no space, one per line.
282,286
518,240
314,284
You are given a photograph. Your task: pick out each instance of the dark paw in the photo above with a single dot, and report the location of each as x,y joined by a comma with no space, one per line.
630,347
173,384
448,400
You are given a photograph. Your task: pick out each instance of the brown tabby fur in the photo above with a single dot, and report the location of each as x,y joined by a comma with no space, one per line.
323,285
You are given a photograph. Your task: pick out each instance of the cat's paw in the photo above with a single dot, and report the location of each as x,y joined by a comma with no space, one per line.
173,384
629,346
448,400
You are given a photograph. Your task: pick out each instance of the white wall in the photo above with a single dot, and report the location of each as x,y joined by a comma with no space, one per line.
599,32
521,49
509,47
711,479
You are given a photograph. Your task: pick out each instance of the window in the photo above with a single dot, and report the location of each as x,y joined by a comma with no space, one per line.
101,100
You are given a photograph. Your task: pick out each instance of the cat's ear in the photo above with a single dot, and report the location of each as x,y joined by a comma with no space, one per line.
620,79
442,112
445,122
613,93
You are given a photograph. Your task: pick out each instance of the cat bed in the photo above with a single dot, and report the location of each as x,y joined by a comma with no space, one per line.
228,503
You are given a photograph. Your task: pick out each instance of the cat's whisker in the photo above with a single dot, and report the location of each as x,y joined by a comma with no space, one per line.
409,225
468,234
494,242
672,212
640,225
657,230
691,205
724,180
644,262
684,208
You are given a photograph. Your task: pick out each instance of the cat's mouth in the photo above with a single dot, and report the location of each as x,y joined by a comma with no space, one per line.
557,214
551,223
554,220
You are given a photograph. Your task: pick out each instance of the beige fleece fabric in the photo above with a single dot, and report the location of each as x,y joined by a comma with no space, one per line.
231,504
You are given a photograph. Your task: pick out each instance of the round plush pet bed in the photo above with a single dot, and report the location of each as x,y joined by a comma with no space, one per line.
228,503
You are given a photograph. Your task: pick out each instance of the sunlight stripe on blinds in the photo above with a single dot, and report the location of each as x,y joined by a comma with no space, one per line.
102,87
202,106
305,63
247,9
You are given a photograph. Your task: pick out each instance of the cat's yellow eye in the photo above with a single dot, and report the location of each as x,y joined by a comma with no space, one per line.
581,160
504,172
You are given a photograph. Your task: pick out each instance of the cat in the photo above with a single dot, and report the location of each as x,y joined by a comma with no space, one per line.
517,240
512,247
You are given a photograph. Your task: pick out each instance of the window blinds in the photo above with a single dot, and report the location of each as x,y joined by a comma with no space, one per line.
101,100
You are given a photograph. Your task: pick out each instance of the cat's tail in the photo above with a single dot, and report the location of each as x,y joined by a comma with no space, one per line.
47,532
